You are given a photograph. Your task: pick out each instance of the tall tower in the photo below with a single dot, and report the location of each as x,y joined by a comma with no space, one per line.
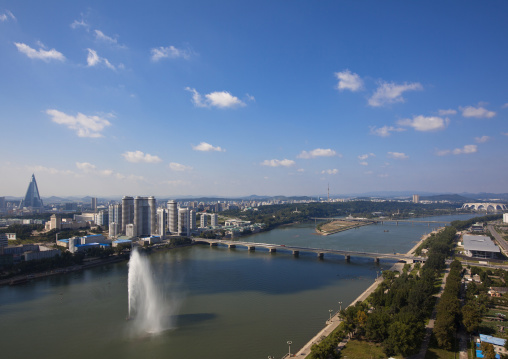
94,204
32,198
127,212
173,217
184,222
328,192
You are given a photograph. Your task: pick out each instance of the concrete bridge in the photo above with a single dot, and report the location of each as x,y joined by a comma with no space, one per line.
320,252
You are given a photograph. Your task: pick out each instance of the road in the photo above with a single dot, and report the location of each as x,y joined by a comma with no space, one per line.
500,240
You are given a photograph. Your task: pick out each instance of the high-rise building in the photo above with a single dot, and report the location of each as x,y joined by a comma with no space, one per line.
102,218
94,204
145,212
127,212
162,221
32,199
184,222
115,214
204,220
416,198
173,217
2,203
214,220
192,220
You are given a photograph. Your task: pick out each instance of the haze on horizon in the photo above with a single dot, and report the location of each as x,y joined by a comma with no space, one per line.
232,98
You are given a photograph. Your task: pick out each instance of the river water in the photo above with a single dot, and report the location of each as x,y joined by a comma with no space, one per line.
226,303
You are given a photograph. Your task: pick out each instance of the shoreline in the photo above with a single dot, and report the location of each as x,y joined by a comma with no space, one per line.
335,322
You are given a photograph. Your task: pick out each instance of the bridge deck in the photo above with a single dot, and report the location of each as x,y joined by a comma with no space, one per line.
322,251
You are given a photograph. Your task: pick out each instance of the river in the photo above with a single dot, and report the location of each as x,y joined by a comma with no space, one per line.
226,303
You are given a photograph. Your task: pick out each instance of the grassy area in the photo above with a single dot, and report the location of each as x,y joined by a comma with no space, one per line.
436,353
359,349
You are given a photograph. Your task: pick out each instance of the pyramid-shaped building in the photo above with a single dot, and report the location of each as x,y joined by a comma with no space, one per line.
32,198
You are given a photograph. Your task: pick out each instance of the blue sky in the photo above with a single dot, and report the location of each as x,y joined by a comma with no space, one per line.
233,98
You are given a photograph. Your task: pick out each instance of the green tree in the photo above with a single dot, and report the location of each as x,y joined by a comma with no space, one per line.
471,316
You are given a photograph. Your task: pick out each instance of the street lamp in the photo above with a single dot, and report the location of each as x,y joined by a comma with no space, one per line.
330,311
289,343
340,306
270,357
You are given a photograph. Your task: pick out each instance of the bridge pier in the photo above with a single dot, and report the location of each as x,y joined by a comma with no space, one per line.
347,258
376,260
251,248
296,253
231,246
213,244
320,255
272,250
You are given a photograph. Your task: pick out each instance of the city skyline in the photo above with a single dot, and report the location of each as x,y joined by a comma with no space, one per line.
234,99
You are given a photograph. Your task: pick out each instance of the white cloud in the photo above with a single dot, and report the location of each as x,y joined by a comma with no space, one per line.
398,155
422,123
330,171
467,149
482,139
85,126
99,35
221,99
278,163
81,23
179,167
169,52
388,93
318,152
7,15
364,163
477,112
85,166
385,131
138,156
93,60
365,156
447,112
50,170
349,81
206,147
41,54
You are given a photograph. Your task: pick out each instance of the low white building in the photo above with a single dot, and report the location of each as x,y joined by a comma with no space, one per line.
479,246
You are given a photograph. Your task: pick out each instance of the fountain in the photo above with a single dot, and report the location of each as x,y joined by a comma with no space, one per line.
147,308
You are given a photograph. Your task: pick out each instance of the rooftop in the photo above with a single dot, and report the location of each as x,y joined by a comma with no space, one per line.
479,243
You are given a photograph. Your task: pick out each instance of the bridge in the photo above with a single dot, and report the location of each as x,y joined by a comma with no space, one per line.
320,252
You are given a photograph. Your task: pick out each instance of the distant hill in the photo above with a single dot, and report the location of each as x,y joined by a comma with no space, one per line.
455,198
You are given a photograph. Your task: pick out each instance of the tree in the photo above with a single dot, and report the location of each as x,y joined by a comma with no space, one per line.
404,338
471,316
488,350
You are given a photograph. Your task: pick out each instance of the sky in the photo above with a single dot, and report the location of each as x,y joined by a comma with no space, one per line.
234,98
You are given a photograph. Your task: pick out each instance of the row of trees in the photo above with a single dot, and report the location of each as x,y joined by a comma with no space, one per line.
448,310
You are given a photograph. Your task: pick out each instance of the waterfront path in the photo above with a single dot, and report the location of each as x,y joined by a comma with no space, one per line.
334,323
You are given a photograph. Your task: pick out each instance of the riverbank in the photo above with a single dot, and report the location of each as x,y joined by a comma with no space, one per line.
20,279
335,321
